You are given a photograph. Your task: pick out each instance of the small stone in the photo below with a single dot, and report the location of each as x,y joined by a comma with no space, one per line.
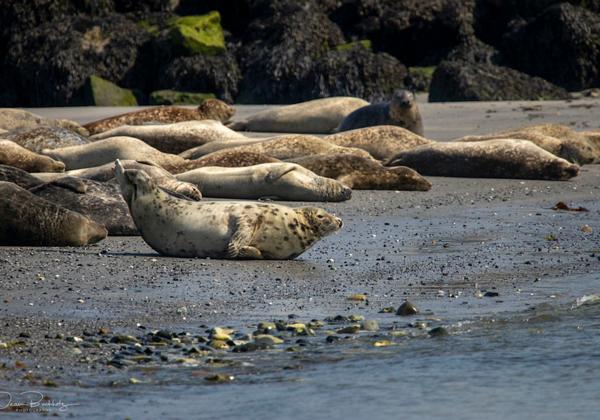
491,294
438,332
164,334
223,334
74,339
300,329
388,310
383,343
186,361
265,327
332,339
407,309
134,381
244,348
218,344
358,297
219,378
586,229
267,340
398,333
124,339
419,324
356,318
3,345
352,329
370,325
24,335
103,331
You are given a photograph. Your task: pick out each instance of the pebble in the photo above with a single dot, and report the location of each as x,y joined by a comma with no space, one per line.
407,309
356,318
265,327
383,343
218,344
388,310
222,334
438,332
219,378
370,325
491,294
124,339
352,329
267,340
358,297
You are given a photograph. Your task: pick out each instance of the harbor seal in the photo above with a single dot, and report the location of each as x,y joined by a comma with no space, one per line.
174,138
31,220
98,201
557,139
231,159
45,137
14,155
281,147
279,181
221,229
218,145
359,173
104,151
401,110
12,119
382,141
106,173
18,176
210,109
316,116
506,158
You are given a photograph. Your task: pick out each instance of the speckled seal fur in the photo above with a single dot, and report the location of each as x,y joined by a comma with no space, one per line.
40,138
231,159
279,181
281,147
14,155
401,110
20,177
14,119
506,158
382,141
359,173
221,229
31,220
210,109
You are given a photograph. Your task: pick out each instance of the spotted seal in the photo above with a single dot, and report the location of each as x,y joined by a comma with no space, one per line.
174,138
230,159
316,116
359,173
45,137
221,229
280,181
401,110
14,155
12,119
506,158
382,141
31,220
210,109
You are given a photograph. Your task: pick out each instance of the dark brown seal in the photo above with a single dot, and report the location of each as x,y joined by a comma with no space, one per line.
507,158
31,220
18,176
401,110
359,173
210,109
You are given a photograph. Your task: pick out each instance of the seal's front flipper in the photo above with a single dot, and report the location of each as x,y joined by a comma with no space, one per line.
243,232
68,182
278,172
250,253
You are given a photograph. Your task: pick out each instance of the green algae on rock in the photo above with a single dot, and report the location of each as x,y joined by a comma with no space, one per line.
173,97
101,92
365,43
200,34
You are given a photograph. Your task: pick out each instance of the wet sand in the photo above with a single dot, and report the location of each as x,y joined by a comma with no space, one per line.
437,248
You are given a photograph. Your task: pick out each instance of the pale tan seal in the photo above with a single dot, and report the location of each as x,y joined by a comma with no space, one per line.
221,229
401,110
506,158
174,138
316,116
359,173
45,137
557,139
210,109
31,220
99,201
104,151
12,119
279,181
231,159
14,155
106,173
281,147
382,141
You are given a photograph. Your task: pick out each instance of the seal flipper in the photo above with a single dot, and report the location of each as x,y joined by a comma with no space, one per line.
243,233
68,182
280,171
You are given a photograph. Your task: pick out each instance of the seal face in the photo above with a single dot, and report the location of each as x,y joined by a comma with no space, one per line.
282,181
364,174
316,116
401,110
222,229
507,158
14,155
210,109
30,220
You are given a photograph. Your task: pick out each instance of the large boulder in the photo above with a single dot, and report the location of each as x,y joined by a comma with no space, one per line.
461,81
562,45
198,34
49,64
100,92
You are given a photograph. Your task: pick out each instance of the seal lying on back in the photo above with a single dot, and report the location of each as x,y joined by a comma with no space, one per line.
401,110
221,229
487,159
279,181
382,141
104,151
281,147
98,201
14,155
559,140
106,172
12,119
40,138
174,138
18,176
316,116
210,109
359,173
30,220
